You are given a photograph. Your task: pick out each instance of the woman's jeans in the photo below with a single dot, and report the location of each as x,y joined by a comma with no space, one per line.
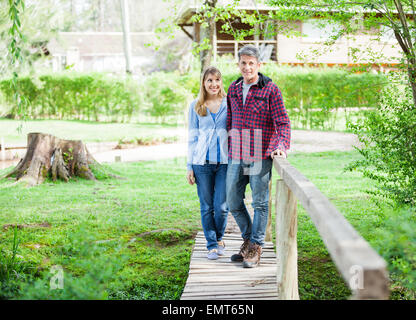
258,174
210,181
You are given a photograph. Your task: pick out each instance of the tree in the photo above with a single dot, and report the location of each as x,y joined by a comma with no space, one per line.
125,17
396,15
207,33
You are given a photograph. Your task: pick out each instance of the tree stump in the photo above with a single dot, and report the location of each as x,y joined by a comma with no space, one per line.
47,154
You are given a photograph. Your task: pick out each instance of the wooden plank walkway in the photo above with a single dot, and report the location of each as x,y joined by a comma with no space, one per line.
227,280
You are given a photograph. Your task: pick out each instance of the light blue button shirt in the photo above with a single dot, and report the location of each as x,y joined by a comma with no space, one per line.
203,133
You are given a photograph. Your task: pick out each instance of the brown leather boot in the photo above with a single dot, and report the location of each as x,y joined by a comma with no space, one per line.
238,257
252,257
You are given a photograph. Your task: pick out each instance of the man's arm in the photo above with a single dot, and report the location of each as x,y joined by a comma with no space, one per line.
281,138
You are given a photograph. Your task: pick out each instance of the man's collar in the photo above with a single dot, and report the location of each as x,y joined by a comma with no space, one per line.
261,82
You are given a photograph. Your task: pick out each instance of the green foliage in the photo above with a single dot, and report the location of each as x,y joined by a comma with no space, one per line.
75,96
397,244
312,96
19,87
165,95
13,269
89,274
388,145
114,238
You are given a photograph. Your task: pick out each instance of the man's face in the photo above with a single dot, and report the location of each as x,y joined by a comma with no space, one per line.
249,68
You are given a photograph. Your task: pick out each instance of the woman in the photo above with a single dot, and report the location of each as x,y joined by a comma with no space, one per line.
208,157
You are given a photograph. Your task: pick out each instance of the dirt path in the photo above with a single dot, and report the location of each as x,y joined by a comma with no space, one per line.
302,141
319,141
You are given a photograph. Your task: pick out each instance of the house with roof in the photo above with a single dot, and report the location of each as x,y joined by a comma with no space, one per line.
103,51
308,37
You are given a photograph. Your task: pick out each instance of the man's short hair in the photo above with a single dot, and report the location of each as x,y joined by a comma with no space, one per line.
249,50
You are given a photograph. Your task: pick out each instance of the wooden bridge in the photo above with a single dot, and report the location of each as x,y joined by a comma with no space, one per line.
276,278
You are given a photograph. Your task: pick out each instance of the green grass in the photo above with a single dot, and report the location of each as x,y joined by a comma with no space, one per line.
132,239
127,263
88,131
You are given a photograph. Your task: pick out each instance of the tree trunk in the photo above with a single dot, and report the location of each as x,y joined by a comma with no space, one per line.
125,22
207,33
47,154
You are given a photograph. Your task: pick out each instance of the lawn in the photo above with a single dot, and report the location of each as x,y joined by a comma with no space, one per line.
132,239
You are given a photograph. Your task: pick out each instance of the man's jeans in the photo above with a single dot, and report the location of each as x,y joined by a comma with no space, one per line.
238,176
210,181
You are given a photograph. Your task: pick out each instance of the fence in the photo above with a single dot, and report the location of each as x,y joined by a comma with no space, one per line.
361,267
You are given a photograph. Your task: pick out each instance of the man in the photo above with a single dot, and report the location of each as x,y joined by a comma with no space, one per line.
259,130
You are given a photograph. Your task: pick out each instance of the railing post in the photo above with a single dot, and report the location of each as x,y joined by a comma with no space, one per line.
269,236
286,242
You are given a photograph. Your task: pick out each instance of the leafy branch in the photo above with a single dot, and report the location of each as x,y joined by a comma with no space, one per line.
16,7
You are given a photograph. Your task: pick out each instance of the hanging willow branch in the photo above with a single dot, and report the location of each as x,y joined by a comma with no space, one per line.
16,7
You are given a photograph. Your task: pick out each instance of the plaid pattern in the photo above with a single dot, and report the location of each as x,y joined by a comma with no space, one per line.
261,125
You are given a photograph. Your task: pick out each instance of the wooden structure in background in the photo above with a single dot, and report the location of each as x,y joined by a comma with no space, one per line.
284,49
224,43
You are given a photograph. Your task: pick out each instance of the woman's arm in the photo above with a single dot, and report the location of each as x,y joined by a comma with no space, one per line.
193,133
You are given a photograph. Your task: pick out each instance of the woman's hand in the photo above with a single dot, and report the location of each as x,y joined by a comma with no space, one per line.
190,177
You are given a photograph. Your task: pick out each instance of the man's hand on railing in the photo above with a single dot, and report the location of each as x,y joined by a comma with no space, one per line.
278,153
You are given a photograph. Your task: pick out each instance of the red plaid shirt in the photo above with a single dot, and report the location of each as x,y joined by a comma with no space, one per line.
261,125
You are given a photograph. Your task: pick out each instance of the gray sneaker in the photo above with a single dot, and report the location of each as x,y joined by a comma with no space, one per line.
213,254
221,248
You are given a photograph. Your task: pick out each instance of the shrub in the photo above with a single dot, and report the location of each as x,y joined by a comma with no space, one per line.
27,88
389,147
75,96
396,242
311,95
165,95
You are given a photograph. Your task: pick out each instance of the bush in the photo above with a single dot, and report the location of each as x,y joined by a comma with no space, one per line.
396,242
311,96
165,96
75,96
389,147
26,88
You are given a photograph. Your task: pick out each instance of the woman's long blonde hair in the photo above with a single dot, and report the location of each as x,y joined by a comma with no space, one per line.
200,107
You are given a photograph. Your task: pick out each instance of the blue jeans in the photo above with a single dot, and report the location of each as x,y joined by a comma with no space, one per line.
238,176
210,182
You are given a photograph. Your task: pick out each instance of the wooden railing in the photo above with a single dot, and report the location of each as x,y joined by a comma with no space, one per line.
361,267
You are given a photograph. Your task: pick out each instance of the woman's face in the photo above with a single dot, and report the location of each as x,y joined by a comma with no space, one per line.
212,84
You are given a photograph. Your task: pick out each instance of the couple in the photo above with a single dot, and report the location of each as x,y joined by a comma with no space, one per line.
232,140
